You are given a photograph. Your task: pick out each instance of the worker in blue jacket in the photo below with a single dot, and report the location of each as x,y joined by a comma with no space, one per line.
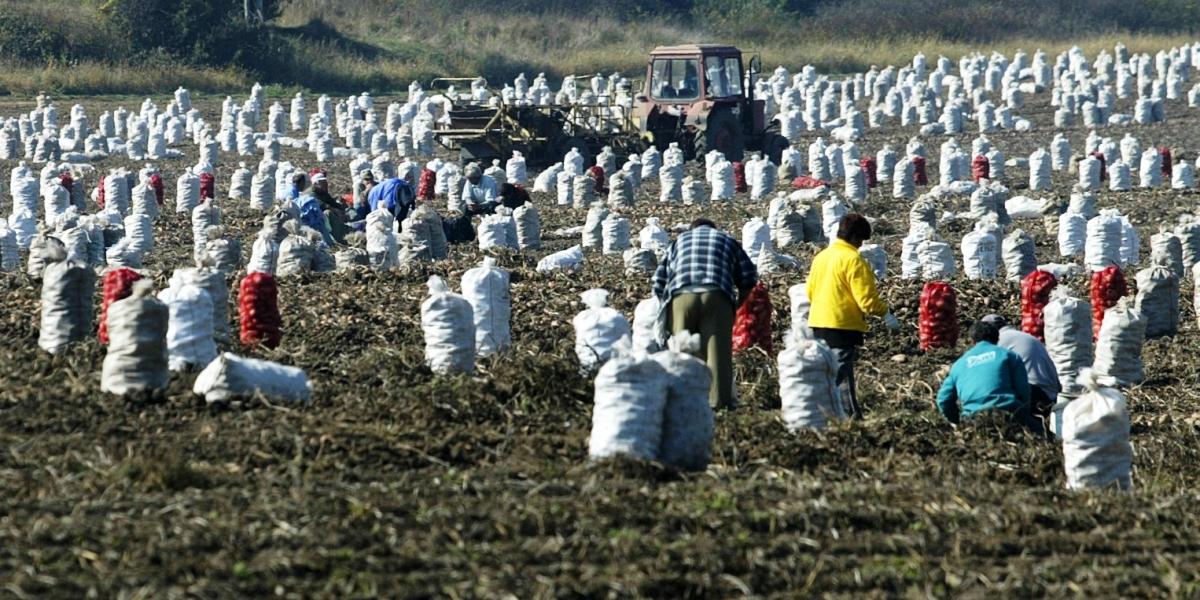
308,208
987,378
393,194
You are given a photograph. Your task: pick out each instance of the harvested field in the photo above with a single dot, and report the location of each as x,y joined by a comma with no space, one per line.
398,483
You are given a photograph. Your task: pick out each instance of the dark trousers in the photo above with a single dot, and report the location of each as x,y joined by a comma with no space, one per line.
484,208
844,344
1040,401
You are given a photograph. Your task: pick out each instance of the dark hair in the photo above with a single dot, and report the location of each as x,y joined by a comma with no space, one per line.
854,227
300,179
703,223
984,331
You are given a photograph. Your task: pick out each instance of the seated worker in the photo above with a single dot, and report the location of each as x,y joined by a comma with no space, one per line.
1044,385
987,378
479,193
335,210
299,184
308,209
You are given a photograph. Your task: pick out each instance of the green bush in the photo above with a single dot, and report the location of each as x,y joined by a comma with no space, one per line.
25,38
201,32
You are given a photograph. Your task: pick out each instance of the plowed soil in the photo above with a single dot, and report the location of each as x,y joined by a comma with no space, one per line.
397,483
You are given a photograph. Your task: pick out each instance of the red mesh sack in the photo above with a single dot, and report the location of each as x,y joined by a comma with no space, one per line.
208,186
980,168
258,311
100,193
739,177
752,323
868,168
597,174
117,285
426,184
1035,295
156,183
938,316
804,182
1165,153
1108,286
919,176
66,180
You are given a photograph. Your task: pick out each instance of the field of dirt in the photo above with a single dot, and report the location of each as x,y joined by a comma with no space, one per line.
397,483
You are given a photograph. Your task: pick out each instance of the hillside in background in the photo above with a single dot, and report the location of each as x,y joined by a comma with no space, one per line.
136,46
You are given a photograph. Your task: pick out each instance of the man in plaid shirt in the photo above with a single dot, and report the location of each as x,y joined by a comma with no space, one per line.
702,280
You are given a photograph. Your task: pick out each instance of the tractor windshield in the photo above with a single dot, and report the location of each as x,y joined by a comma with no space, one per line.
723,74
675,79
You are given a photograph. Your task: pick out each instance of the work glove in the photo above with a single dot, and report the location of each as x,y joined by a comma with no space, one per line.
891,321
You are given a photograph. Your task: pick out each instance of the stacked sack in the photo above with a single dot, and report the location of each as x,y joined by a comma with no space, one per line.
258,310
938,316
1035,295
1108,286
66,311
752,321
654,407
598,329
1095,432
1119,344
1068,331
486,287
137,351
808,388
448,323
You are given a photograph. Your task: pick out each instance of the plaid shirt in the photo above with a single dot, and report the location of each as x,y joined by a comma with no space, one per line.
704,256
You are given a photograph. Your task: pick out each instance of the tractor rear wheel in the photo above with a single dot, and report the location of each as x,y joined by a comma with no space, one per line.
724,133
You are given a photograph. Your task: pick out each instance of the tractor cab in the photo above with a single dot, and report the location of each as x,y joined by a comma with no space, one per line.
700,96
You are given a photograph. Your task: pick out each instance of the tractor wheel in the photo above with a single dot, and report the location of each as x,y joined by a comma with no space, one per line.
724,133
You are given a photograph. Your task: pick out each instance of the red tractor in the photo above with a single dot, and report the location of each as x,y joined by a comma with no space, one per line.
701,96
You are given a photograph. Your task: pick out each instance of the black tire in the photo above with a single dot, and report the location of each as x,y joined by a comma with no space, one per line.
723,133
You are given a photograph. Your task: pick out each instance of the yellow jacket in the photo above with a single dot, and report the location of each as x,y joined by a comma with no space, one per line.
841,289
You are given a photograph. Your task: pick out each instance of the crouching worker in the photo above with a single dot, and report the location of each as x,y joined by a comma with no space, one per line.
987,378
335,210
1043,375
479,193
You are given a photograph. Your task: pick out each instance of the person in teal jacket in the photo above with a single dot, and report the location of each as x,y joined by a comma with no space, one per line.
987,378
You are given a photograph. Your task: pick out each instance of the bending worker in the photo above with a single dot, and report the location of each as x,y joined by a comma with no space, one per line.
987,378
842,293
702,280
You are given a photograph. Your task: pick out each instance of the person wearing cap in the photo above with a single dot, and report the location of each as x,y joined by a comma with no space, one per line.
307,209
335,212
479,192
1044,385
987,378
842,293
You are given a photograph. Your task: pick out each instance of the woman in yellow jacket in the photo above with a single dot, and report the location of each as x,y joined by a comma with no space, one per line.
841,293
